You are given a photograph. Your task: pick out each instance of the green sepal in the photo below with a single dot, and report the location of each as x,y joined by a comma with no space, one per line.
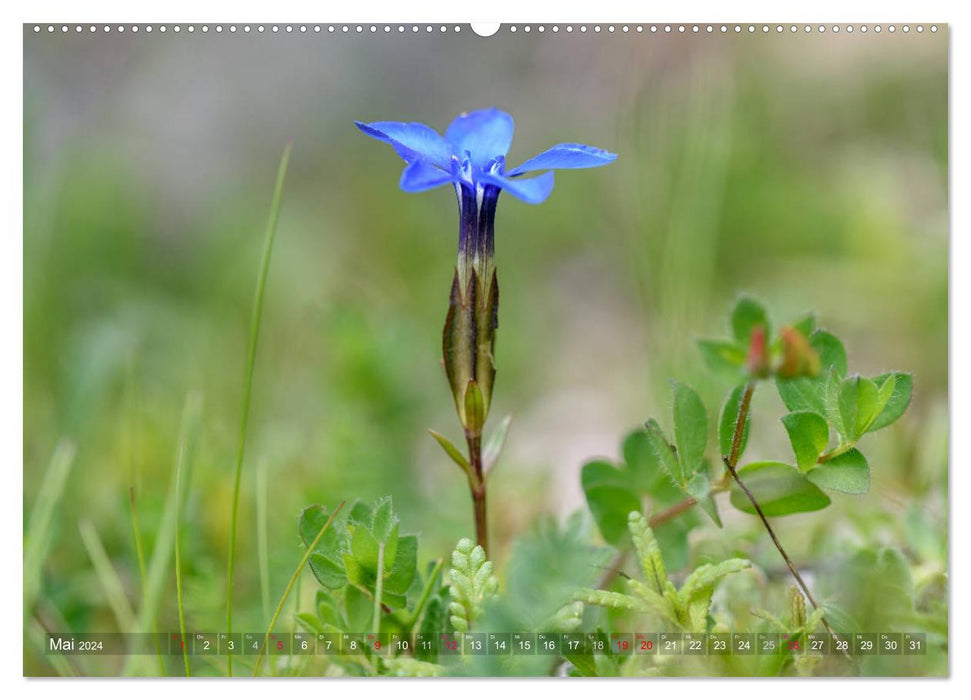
474,408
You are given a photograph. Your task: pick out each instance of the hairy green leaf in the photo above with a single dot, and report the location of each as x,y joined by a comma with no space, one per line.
898,400
809,435
830,350
699,488
690,429
728,419
663,452
779,488
326,560
848,472
403,567
746,316
858,405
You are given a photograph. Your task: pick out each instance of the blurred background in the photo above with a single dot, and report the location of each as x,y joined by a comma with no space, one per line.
809,171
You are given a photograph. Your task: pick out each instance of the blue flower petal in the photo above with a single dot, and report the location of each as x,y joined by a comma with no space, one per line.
419,176
485,134
411,140
532,190
566,156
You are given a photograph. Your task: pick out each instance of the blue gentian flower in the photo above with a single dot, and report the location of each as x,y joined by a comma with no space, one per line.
472,157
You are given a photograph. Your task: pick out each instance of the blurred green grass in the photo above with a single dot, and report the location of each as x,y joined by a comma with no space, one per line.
809,172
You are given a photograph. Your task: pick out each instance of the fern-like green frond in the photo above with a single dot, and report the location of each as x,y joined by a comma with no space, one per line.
661,605
697,590
610,599
648,552
566,619
471,582
707,575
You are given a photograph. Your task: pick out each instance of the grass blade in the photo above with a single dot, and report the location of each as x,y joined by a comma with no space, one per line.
37,534
113,589
248,381
293,580
158,565
262,542
180,489
142,572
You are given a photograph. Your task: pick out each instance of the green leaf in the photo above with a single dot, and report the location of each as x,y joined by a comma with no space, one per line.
809,435
452,451
404,567
610,498
831,401
328,612
857,405
897,402
727,420
690,429
364,549
384,521
325,560
471,582
663,452
640,460
748,314
801,394
360,513
359,607
329,571
806,325
830,350
699,488
779,488
309,622
722,356
493,446
847,472
808,393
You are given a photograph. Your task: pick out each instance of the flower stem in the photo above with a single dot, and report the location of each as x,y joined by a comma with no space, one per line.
731,460
254,335
478,487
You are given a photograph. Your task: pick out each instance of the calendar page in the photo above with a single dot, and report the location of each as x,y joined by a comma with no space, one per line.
280,422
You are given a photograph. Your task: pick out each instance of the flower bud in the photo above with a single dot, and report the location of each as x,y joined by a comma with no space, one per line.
757,361
798,356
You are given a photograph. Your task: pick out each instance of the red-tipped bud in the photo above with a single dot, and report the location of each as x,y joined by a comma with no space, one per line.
757,361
